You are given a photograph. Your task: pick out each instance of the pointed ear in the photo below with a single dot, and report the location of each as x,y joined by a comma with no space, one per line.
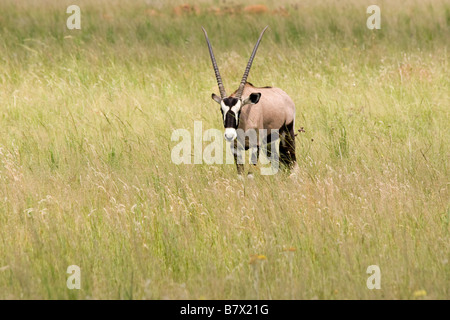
216,98
252,99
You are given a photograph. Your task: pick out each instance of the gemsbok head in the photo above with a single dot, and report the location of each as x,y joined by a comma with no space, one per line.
256,109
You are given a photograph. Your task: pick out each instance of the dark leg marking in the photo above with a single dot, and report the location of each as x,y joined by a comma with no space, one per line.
266,144
287,145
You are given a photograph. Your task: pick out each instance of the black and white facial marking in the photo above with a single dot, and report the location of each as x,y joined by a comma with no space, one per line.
231,110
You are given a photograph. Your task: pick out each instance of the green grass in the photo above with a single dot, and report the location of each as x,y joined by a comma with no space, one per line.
86,179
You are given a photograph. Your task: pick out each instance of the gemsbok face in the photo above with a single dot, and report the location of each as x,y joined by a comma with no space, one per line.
251,108
231,112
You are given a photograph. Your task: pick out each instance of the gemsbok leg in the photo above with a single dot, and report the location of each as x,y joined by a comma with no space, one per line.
254,160
237,152
287,146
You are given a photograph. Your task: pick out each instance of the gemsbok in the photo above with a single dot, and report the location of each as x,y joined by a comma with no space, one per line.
250,109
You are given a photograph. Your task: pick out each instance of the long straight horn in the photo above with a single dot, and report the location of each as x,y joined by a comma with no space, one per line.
249,65
223,94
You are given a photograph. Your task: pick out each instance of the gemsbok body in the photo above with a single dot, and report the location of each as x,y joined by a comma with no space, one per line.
256,109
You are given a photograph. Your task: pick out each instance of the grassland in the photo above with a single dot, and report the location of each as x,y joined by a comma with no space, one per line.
86,118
